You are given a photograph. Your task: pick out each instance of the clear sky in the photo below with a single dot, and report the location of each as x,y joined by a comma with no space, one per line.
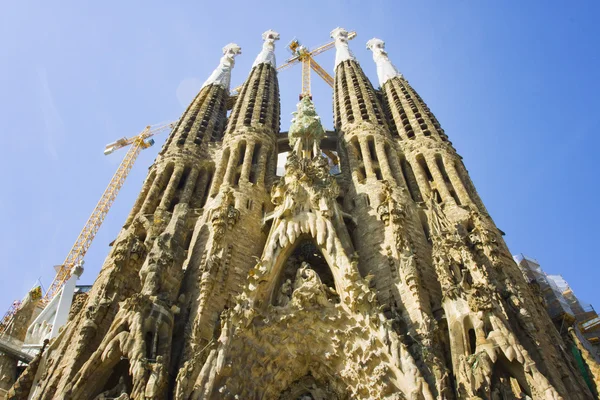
514,84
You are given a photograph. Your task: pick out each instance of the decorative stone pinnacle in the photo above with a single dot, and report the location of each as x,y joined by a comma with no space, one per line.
385,69
342,53
222,74
267,54
306,130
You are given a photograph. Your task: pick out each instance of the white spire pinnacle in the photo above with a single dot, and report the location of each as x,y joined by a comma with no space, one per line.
385,68
222,74
267,54
342,51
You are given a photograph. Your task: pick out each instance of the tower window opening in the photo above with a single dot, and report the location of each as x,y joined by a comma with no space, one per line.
424,167
149,341
440,164
436,196
361,174
411,182
424,225
372,151
237,178
256,154
199,192
454,196
472,341
210,174
356,148
222,171
184,178
242,153
377,172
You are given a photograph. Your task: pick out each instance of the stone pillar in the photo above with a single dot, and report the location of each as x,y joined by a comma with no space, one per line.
247,162
438,178
384,163
461,191
231,165
171,188
422,179
190,185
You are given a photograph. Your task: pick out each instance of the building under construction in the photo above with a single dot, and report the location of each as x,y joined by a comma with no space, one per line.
368,268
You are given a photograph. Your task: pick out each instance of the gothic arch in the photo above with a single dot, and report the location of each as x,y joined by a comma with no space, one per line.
275,257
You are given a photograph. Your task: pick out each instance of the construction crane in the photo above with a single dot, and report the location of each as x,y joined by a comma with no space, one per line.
87,234
306,57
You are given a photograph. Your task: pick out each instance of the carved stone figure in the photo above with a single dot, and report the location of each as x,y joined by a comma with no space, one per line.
230,281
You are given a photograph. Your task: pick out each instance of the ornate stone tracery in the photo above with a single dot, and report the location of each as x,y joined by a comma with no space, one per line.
387,280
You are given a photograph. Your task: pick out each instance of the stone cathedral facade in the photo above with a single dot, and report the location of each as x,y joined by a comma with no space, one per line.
387,280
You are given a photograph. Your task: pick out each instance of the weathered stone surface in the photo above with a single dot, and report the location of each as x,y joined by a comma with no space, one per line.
387,281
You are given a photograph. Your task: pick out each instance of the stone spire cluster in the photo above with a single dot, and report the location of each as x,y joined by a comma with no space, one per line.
387,280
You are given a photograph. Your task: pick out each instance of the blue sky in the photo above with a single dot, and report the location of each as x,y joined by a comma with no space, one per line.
513,83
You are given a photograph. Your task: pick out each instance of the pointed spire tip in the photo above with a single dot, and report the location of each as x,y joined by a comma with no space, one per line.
222,74
385,69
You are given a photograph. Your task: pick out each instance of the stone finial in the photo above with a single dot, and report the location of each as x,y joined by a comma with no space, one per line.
267,54
342,53
306,130
222,74
385,69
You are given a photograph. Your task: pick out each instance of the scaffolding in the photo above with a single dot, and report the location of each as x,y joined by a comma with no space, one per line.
561,303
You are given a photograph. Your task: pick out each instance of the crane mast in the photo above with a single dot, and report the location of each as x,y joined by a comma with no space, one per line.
92,225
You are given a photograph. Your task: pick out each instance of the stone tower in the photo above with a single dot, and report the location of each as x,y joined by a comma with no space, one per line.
388,280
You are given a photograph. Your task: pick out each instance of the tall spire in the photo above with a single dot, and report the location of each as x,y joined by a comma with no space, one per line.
267,54
342,53
222,74
385,69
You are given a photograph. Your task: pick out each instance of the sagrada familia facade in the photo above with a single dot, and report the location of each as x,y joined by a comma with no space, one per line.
384,280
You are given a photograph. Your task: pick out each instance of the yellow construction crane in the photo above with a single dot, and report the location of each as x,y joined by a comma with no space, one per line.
87,234
84,240
306,57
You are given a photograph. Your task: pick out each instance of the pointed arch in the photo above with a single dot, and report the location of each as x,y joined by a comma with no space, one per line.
326,268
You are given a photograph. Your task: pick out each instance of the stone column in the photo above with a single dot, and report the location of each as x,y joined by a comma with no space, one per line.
422,180
231,165
171,188
152,198
189,186
438,178
141,198
247,162
384,163
461,191
261,168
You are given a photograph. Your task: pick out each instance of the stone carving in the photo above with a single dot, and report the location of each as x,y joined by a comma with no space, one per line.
225,216
203,299
385,69
222,74
343,52
267,55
